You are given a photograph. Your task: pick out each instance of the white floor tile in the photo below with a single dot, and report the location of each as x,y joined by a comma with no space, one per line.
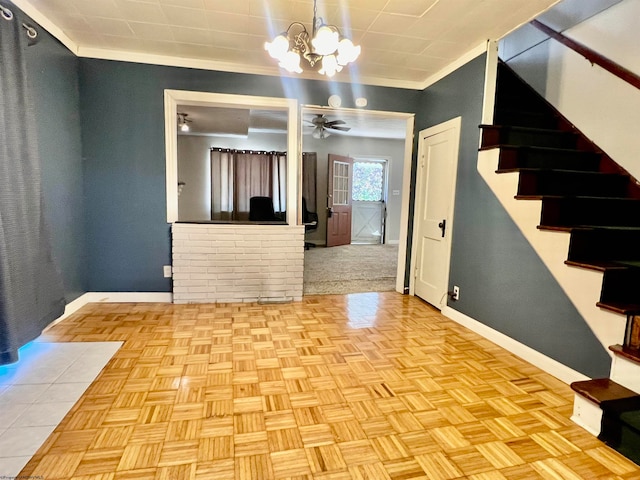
63,392
78,372
42,414
40,374
37,392
23,441
10,467
9,412
22,393
7,375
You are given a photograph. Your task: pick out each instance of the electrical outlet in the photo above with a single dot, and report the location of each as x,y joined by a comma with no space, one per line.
167,271
456,293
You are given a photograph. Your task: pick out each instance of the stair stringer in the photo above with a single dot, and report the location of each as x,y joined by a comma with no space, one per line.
581,286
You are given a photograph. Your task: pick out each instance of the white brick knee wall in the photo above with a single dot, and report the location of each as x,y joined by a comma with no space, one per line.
237,263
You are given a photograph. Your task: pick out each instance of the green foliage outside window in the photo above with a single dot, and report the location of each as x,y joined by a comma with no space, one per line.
367,181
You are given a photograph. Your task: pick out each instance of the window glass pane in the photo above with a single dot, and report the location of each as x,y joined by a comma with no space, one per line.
340,183
367,181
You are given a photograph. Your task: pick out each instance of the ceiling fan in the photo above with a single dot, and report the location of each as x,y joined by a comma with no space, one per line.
324,126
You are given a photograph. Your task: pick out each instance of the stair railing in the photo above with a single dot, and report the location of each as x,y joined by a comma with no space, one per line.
591,55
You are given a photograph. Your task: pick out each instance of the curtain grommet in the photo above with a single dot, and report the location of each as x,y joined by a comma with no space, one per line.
6,13
32,33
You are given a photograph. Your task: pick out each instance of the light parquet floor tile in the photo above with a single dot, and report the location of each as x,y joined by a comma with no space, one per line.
362,386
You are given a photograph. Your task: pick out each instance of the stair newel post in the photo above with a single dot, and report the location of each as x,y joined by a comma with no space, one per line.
632,332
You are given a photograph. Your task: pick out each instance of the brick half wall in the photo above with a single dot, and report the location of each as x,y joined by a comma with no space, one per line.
237,263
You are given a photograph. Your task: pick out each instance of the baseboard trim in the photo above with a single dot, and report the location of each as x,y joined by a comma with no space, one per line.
540,360
111,297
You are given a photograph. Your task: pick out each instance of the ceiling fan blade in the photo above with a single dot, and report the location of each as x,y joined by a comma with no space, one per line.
335,122
342,129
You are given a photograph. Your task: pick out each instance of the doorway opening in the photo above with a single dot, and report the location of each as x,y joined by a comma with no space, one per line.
362,174
369,199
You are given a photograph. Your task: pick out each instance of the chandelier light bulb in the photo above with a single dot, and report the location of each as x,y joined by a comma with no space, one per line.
326,40
330,66
279,47
291,62
347,51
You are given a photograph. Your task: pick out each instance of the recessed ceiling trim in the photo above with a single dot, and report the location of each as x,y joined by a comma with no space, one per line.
45,23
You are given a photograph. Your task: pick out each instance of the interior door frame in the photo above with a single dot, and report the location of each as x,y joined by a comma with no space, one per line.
456,124
409,118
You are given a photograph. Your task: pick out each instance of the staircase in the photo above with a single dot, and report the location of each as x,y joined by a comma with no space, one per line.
582,194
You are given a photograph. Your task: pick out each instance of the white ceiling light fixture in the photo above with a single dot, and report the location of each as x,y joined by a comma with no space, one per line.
325,48
183,122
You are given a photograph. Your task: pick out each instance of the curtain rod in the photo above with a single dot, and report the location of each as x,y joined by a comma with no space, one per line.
249,152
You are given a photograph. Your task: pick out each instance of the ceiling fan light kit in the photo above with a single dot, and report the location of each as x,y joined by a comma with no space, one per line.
325,48
183,122
324,126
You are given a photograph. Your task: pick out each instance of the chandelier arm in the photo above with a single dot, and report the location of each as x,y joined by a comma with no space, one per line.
296,23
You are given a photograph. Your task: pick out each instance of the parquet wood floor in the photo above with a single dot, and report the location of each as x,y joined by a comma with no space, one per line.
365,386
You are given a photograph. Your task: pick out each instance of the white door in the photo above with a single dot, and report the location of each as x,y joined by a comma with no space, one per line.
433,213
369,206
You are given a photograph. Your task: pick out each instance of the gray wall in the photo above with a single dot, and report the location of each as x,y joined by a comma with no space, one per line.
53,81
502,281
122,114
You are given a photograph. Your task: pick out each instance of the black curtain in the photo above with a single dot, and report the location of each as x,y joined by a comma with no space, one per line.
309,169
31,291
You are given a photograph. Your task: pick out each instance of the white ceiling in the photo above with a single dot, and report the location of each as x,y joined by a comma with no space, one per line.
405,43
241,122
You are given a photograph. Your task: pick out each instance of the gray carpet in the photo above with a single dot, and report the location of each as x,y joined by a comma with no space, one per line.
350,269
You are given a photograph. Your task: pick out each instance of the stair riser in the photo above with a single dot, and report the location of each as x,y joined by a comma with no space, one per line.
507,116
621,286
569,212
557,183
492,137
513,158
604,245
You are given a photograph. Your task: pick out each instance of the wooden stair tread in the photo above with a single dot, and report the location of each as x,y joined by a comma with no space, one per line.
628,353
619,307
590,265
602,390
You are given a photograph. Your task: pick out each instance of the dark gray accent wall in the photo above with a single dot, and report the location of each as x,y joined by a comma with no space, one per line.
53,82
122,111
503,283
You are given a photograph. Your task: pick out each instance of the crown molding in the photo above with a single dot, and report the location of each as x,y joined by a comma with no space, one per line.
47,24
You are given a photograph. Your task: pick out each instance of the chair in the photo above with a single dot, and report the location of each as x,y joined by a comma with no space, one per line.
261,210
310,221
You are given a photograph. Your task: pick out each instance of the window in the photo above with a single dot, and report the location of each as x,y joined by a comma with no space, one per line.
368,181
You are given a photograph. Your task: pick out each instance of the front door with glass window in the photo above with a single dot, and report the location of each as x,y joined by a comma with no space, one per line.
339,200
368,199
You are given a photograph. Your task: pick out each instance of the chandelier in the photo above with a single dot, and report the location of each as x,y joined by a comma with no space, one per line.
325,47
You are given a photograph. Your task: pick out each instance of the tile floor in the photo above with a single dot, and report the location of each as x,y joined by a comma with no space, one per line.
38,391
